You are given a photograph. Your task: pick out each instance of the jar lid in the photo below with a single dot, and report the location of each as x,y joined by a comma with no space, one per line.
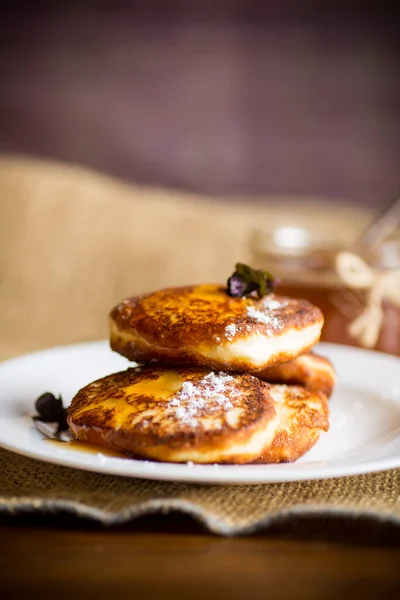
302,244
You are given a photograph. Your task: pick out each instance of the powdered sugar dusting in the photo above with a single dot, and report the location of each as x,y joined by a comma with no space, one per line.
207,394
273,304
230,331
264,316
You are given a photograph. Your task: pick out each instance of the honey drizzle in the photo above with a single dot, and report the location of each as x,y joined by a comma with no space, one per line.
87,448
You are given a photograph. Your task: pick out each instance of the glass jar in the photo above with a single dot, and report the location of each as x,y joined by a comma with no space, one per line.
303,258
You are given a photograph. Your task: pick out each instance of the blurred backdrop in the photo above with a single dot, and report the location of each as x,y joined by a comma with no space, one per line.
223,98
124,124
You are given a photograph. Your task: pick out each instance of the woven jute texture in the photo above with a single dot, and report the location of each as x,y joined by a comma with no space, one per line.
29,485
72,243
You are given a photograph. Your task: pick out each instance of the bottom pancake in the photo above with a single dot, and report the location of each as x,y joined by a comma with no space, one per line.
303,415
191,414
177,415
314,372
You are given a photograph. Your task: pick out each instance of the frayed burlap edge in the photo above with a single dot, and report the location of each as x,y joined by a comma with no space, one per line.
29,486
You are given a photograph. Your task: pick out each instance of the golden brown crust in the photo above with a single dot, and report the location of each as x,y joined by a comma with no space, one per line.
303,416
289,447
199,325
142,412
314,372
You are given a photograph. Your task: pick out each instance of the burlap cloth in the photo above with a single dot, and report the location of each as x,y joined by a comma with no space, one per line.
74,242
29,485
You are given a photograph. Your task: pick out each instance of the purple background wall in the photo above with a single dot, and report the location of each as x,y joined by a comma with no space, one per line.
223,98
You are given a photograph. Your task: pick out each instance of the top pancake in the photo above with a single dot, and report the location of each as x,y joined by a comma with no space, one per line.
204,326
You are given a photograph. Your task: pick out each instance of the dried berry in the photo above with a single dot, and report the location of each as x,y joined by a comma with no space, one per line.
51,410
246,280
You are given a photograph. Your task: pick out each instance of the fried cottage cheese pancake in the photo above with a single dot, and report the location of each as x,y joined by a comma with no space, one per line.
203,325
303,415
186,414
314,372
191,414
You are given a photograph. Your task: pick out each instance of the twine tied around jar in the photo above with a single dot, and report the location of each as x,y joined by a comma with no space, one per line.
379,285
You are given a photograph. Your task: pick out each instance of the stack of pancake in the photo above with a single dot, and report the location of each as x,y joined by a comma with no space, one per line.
216,379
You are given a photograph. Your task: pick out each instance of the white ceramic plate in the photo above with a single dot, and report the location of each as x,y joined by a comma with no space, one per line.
364,434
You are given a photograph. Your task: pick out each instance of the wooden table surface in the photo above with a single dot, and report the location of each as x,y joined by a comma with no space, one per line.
170,556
